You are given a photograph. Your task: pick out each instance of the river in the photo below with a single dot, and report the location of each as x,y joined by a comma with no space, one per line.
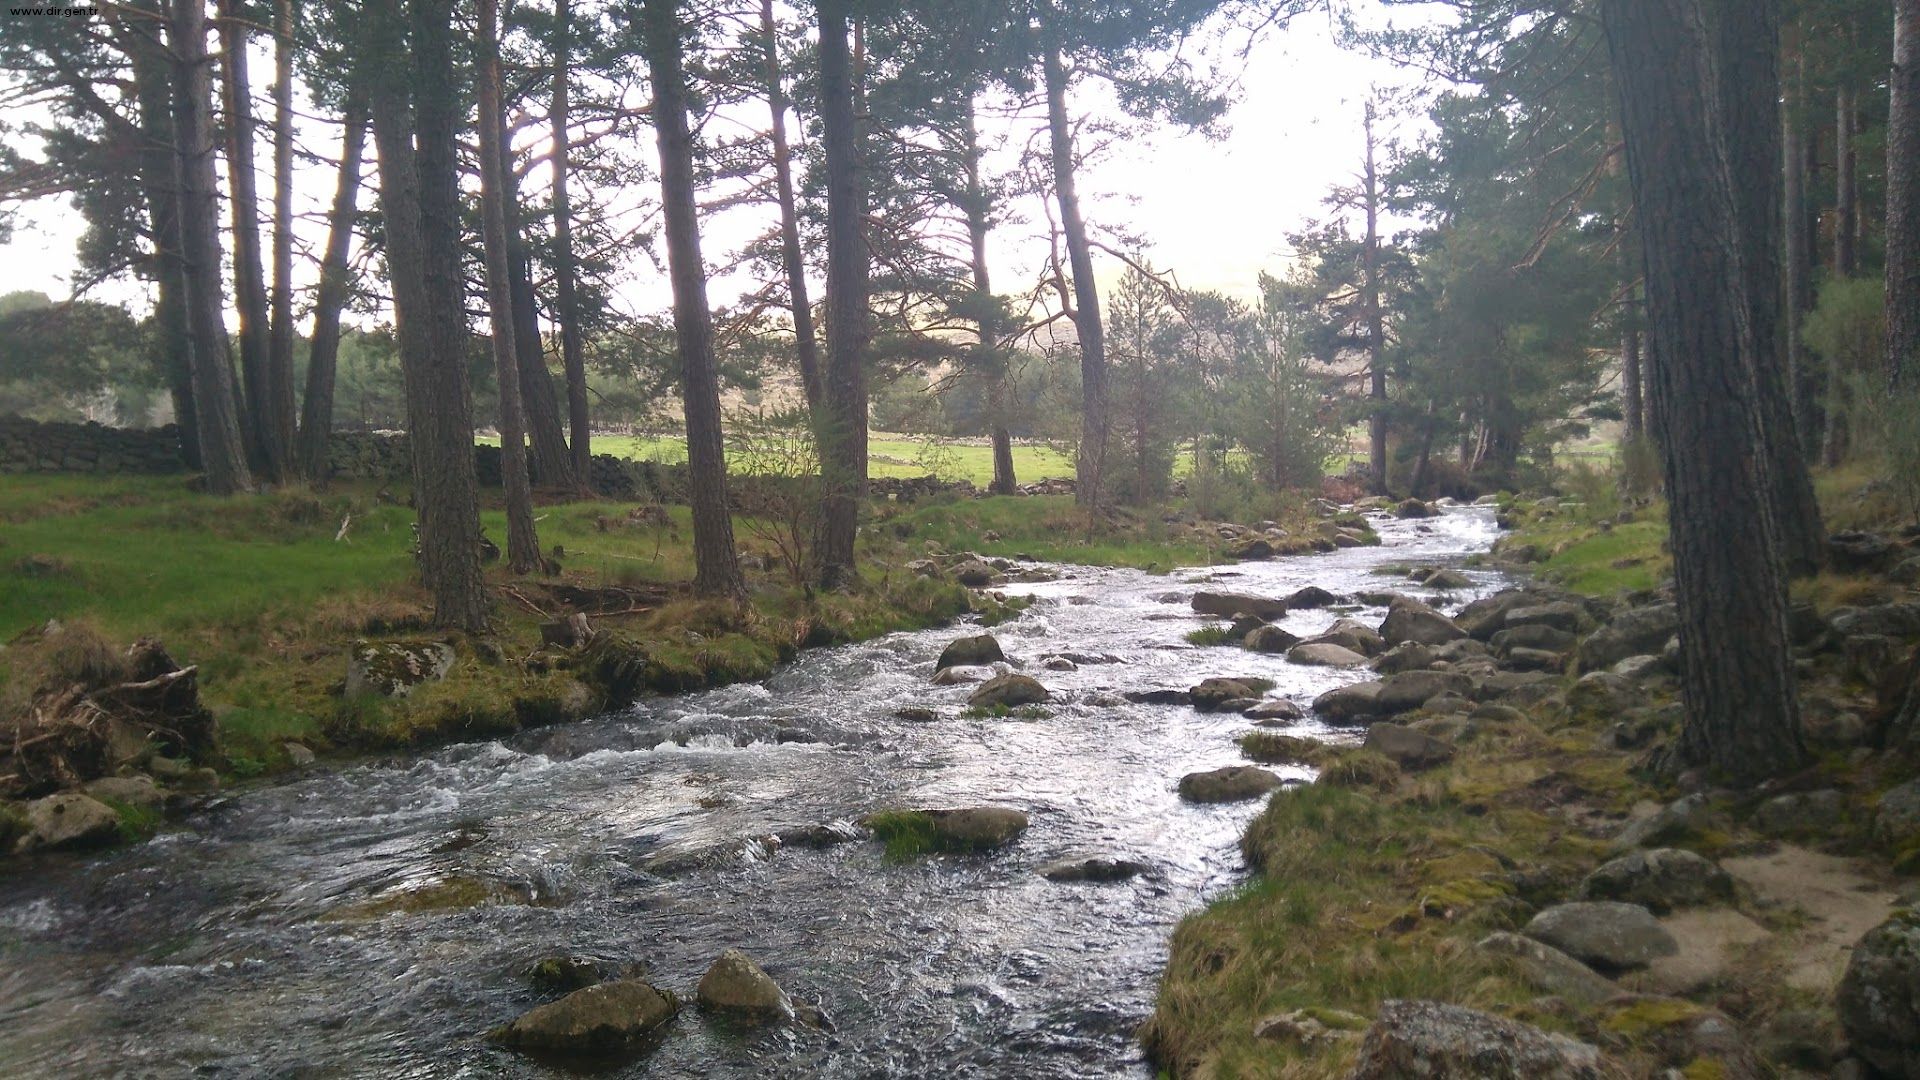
229,945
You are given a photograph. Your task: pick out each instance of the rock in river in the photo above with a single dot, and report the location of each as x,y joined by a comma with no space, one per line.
970,651
1008,691
1227,605
1213,695
69,820
1270,639
597,1020
735,985
1235,783
1410,620
1092,868
976,828
1325,654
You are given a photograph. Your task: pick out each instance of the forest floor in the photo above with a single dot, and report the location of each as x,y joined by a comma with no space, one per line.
1402,879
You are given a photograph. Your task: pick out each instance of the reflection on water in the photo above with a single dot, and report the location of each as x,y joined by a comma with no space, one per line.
303,928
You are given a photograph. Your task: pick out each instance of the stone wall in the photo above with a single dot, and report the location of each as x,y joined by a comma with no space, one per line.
31,446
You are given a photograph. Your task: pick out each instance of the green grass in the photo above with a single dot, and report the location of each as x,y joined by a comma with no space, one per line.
1051,528
1208,636
887,456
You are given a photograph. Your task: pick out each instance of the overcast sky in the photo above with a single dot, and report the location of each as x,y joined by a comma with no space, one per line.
1216,213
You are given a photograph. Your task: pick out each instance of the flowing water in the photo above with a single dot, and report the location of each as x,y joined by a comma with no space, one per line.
239,942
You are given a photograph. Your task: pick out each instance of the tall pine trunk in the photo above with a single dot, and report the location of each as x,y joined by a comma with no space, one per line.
841,423
1375,317
1745,37
249,279
523,541
1846,206
1090,463
419,207
805,342
280,405
552,461
223,453
160,192
1903,201
323,349
992,363
1742,720
1797,147
716,564
566,288
1636,407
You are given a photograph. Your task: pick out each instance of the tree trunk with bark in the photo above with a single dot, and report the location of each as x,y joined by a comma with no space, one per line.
716,563
1798,148
1745,36
1903,202
223,453
249,278
419,206
1375,319
1090,463
1636,407
1742,719
841,424
160,193
566,288
552,460
805,343
1846,192
279,421
323,350
523,540
992,363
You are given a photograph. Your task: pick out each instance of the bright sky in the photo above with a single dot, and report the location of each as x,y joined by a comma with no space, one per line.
1216,213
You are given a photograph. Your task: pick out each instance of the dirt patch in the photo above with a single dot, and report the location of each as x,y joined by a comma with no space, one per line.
1841,899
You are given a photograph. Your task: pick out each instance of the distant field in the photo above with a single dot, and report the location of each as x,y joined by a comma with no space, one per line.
887,455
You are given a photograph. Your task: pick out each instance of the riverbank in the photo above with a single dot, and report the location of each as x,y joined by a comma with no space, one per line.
1464,875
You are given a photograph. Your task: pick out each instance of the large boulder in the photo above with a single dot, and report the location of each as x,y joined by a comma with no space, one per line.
1633,632
1562,615
1487,616
1683,817
1879,996
1413,508
1406,656
1008,691
736,986
1235,783
1550,970
974,574
600,1019
1533,636
1411,750
1349,704
1228,605
1275,710
1269,639
1325,654
1429,1040
1313,596
395,668
1604,694
970,651
1607,934
1409,690
68,820
1660,880
1410,620
1098,868
1897,819
1214,695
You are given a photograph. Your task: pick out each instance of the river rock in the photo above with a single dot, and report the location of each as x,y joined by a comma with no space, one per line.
599,1019
1409,690
978,650
1228,605
957,676
1524,659
1410,620
564,974
395,668
1550,970
1879,996
1436,1041
1252,549
1633,632
1008,691
1406,656
1446,580
1325,654
1349,704
1355,635
1487,616
68,820
1099,868
1897,818
1607,934
139,792
1235,783
974,574
1215,695
1660,880
1533,636
1270,639
1158,697
1411,750
1313,596
1562,615
1413,508
736,986
1274,710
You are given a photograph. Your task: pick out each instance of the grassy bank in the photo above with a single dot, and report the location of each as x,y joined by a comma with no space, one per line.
887,456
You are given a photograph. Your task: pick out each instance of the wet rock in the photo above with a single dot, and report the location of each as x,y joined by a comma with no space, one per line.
1252,549
736,986
1660,880
1059,663
975,651
974,574
1158,697
1235,783
1678,820
1896,820
1410,620
600,1019
139,792
1634,632
1411,750
815,837
957,676
1008,691
1275,709
68,820
1218,695
1487,616
1313,596
1448,1042
1413,508
298,755
1550,970
1270,639
1410,690
395,668
1879,996
1349,704
1406,656
1099,868
1446,580
1609,935
1801,813
564,974
1228,605
1325,654
1244,625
